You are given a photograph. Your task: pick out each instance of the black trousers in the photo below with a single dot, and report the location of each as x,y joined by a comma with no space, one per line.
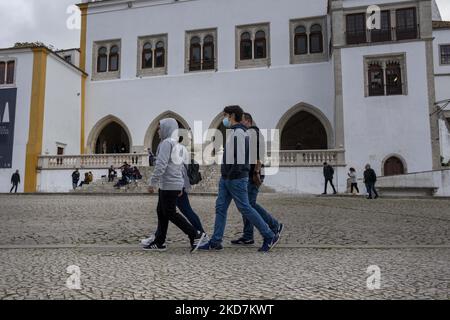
354,186
167,211
330,180
15,185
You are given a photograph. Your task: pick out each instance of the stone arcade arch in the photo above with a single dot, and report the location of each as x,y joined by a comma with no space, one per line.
305,127
109,135
151,139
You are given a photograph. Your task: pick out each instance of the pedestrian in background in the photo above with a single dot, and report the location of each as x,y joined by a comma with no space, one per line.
75,178
328,173
353,180
370,178
15,181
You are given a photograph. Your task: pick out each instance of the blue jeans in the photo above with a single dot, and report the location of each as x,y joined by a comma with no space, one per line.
236,190
185,207
267,217
370,186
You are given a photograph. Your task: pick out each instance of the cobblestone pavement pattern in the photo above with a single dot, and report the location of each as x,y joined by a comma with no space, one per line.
328,245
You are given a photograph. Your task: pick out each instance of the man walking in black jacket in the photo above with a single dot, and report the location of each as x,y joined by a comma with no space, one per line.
15,180
370,178
328,173
75,178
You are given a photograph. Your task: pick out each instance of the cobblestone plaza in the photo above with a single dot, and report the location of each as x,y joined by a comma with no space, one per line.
327,247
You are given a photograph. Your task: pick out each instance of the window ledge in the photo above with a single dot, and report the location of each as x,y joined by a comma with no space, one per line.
152,72
106,76
254,63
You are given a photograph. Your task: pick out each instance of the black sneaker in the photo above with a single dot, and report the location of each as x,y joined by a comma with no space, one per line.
199,241
211,247
215,247
280,229
269,244
242,242
155,247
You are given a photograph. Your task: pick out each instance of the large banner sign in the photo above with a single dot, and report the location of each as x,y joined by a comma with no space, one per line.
7,117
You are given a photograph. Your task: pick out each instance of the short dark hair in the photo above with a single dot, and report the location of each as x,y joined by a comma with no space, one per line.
236,110
325,163
180,139
248,117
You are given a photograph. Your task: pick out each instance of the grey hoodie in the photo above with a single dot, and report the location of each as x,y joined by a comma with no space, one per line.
168,174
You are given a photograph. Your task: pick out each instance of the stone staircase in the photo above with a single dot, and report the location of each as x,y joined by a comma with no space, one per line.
209,184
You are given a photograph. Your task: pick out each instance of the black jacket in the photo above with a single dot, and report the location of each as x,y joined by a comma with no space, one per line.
15,179
370,176
235,170
75,176
260,145
328,172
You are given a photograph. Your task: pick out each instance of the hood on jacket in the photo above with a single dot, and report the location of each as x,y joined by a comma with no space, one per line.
168,127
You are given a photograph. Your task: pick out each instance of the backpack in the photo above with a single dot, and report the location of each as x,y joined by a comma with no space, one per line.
193,173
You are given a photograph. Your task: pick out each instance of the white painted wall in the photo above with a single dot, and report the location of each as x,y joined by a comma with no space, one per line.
441,36
298,180
376,127
24,71
439,179
442,84
266,92
61,180
62,118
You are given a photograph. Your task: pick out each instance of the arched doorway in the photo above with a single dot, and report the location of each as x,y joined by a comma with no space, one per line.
156,140
152,139
112,139
217,124
109,135
393,166
305,127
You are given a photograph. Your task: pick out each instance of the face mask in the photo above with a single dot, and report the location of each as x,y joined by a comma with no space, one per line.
226,123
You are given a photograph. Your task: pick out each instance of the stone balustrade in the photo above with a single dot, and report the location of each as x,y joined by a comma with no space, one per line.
92,161
291,158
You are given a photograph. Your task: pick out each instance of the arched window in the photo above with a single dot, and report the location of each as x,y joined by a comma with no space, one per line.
195,59
160,55
208,53
246,46
316,39
300,41
393,78
376,80
2,72
102,59
260,45
10,72
114,58
393,166
147,56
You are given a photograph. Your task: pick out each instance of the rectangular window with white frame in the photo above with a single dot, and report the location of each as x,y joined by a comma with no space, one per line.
385,75
7,72
253,46
444,50
309,40
201,50
152,55
106,60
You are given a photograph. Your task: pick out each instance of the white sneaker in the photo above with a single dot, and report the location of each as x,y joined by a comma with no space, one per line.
148,241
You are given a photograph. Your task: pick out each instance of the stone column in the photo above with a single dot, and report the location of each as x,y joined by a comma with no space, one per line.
338,40
426,33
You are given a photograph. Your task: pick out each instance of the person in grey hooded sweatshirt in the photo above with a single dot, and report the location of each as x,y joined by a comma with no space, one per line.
168,176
